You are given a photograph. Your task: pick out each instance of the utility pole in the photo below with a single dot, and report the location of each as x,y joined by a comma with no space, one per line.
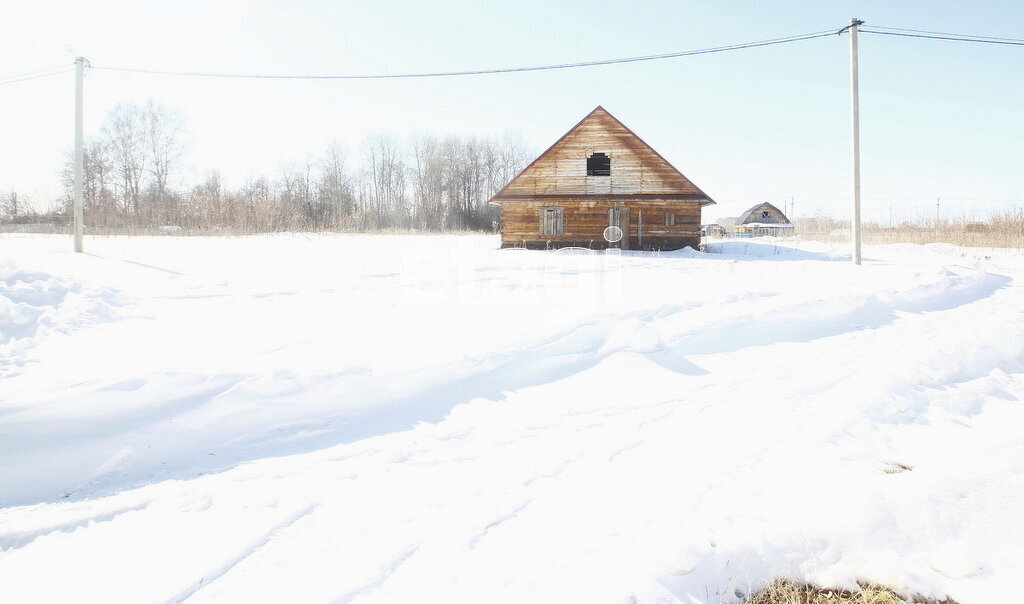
79,153
937,212
855,116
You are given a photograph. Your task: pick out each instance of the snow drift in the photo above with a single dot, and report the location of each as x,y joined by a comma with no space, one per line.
382,419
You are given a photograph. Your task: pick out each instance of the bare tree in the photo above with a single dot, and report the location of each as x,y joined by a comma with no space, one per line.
387,178
206,205
163,131
258,207
97,186
334,190
296,186
9,206
125,130
427,173
425,182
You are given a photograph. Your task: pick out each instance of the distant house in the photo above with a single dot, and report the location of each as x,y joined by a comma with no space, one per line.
764,219
599,175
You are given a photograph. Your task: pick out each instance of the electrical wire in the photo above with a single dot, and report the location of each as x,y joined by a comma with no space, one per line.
385,76
874,29
944,33
953,37
32,75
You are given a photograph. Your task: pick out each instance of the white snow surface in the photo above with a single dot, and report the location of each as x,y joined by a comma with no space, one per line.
364,418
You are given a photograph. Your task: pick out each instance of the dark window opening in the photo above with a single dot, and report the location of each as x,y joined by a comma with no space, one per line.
599,164
765,213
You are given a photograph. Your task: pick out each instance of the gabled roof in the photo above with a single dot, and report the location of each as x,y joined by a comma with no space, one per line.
745,215
598,128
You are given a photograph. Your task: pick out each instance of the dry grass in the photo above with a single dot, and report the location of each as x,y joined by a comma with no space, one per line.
788,592
951,235
1000,230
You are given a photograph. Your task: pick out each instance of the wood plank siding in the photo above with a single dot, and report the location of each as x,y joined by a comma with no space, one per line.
639,180
585,218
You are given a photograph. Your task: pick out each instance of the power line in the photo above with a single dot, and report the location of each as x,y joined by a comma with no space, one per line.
1008,42
384,76
945,33
874,29
32,75
37,71
892,31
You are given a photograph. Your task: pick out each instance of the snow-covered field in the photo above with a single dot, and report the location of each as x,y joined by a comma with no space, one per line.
429,419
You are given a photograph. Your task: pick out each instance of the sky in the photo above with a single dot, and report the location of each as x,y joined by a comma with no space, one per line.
940,121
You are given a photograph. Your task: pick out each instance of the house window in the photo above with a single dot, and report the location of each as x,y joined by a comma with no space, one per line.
599,164
552,220
765,213
670,219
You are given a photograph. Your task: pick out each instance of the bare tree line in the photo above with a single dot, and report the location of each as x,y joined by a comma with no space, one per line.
422,182
128,166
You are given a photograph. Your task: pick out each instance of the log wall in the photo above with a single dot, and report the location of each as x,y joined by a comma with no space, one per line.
586,217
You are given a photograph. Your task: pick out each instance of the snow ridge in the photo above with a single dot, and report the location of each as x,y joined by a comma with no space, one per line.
680,427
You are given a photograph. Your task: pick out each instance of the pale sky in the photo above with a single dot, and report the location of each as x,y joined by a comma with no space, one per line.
938,119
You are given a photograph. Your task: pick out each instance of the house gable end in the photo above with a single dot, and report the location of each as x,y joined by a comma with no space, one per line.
635,168
763,213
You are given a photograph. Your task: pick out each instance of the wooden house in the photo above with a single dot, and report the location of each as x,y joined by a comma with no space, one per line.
763,219
598,175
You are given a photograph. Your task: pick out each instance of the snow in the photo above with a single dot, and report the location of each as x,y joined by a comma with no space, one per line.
427,418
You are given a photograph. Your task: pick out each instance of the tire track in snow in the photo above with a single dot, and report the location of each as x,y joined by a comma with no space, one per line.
385,573
17,539
556,471
248,551
625,449
498,522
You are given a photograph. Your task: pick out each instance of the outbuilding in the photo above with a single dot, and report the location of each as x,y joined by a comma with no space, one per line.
599,175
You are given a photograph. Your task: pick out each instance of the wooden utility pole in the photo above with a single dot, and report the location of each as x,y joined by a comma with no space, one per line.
855,116
79,153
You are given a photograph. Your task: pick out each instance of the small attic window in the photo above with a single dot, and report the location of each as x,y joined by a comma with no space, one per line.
599,164
765,213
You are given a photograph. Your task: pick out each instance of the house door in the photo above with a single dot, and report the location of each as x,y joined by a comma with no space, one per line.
618,216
